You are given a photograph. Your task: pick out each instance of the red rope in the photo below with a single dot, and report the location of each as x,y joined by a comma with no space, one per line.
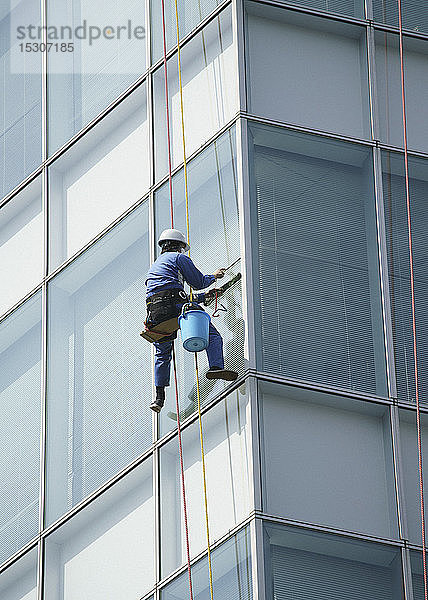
167,114
412,288
180,445
183,487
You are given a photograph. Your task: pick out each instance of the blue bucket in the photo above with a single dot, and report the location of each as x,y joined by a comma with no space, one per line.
194,326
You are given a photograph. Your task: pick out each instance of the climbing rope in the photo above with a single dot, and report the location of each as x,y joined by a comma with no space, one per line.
412,290
186,192
180,445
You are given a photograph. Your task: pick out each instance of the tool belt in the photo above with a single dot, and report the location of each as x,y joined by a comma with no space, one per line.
162,315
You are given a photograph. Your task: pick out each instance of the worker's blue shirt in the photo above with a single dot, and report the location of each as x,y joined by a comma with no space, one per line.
171,269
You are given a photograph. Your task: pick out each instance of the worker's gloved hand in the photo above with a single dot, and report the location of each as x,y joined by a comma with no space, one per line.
219,273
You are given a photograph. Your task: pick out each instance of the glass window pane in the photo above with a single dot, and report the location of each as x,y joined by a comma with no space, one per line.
213,211
109,54
21,245
231,567
99,382
309,565
103,174
409,455
209,92
417,575
328,479
19,582
227,473
414,14
388,80
20,400
394,192
318,294
107,549
315,70
190,14
20,95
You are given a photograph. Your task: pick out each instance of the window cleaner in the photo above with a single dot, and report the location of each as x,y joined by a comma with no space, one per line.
165,299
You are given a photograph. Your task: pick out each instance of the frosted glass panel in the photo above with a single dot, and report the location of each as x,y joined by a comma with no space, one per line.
99,383
226,458
99,178
109,55
190,13
19,582
307,71
388,80
231,570
213,206
107,550
21,245
209,92
20,400
342,475
20,95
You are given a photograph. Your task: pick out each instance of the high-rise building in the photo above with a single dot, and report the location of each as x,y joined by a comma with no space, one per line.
295,164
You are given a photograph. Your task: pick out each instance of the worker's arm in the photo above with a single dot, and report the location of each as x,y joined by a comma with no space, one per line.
192,275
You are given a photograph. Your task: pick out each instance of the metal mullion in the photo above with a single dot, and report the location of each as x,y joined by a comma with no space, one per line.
407,574
244,205
156,516
258,559
255,436
43,421
238,12
371,64
40,569
398,473
384,274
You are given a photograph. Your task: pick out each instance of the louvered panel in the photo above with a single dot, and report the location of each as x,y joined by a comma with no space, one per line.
399,272
415,14
343,7
315,291
301,575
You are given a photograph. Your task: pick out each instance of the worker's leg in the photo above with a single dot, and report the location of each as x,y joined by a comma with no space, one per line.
215,348
163,354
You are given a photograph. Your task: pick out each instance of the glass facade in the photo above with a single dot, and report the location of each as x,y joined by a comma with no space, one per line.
295,179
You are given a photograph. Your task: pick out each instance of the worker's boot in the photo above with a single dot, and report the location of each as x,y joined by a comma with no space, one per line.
159,401
218,373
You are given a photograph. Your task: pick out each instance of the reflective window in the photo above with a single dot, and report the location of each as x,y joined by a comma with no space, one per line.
190,14
19,582
20,400
409,455
388,81
99,380
20,94
307,70
213,217
414,14
21,245
231,567
99,177
317,294
303,564
209,92
107,549
417,575
317,468
108,54
227,473
394,192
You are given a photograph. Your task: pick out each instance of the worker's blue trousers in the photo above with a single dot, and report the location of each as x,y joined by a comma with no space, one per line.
163,355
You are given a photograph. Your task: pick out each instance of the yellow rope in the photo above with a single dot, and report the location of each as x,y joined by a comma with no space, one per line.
191,298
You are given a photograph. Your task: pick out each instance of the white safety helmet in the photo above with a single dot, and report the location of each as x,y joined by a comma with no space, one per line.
173,235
